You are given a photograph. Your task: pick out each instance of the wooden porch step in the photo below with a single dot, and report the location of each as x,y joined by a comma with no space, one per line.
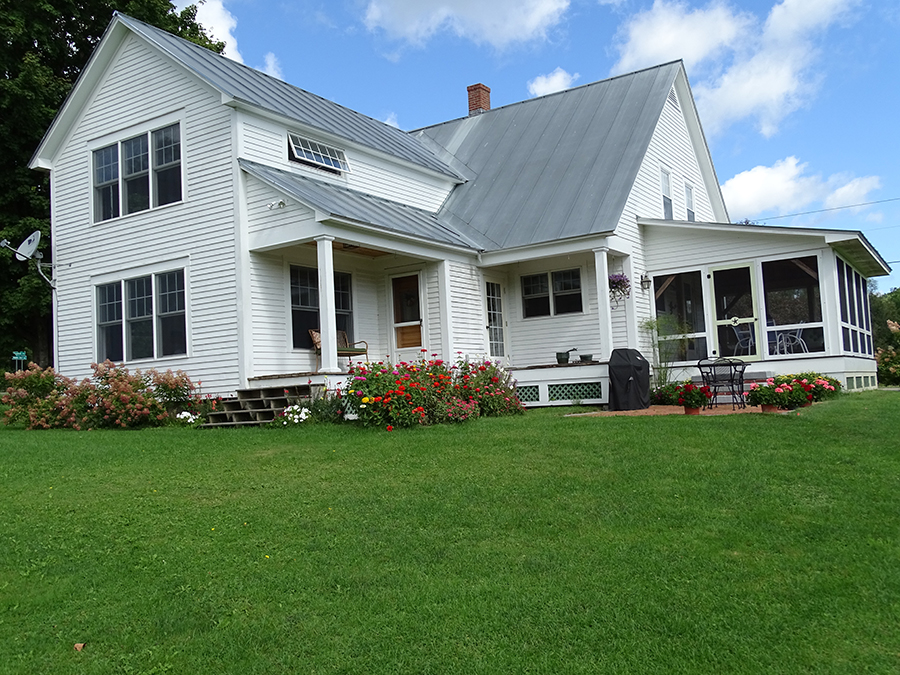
254,407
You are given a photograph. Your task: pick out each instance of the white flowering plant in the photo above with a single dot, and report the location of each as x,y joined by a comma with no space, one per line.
295,414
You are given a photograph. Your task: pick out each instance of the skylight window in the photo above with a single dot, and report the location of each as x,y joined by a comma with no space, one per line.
316,154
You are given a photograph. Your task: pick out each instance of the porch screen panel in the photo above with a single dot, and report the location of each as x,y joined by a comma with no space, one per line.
407,312
793,306
856,322
679,317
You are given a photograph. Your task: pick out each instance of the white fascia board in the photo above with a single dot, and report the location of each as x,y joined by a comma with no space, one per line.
701,149
549,249
82,92
340,141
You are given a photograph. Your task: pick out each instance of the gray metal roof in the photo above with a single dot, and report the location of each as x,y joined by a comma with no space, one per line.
346,204
553,167
258,89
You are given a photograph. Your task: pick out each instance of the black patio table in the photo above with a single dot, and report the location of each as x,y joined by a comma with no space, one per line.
726,374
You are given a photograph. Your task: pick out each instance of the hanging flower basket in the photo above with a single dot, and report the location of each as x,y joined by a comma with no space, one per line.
619,288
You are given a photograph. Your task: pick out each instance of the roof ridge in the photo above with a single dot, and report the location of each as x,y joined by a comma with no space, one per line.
605,80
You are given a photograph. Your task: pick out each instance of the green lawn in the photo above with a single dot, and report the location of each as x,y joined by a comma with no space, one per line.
536,544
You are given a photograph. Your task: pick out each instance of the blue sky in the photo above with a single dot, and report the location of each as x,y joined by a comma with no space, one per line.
798,98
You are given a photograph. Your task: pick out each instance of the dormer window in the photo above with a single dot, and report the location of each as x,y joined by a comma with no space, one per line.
311,153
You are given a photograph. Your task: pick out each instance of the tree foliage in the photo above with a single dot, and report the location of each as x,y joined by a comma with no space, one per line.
44,45
885,307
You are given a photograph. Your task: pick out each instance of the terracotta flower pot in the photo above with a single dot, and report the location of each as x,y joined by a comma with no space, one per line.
691,411
769,408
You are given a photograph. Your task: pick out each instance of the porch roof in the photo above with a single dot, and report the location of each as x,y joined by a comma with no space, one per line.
344,204
852,245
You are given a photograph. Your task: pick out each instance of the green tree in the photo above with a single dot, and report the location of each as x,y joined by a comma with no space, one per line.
884,307
44,45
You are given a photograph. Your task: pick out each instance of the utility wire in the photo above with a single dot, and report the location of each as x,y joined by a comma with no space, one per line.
835,208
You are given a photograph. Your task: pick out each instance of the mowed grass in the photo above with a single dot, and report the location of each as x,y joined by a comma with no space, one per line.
537,544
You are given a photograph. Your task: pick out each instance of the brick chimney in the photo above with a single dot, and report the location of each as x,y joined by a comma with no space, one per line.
479,99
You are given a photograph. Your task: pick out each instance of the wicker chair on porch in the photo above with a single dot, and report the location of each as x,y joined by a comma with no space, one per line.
344,346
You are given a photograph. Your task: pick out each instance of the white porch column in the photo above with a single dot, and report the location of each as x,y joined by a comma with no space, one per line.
327,323
631,322
601,266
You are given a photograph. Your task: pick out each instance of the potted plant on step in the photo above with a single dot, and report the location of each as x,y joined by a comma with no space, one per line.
692,397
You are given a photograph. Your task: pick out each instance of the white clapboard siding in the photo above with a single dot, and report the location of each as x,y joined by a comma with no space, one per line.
686,249
260,217
433,319
670,147
273,352
535,341
138,87
467,310
266,143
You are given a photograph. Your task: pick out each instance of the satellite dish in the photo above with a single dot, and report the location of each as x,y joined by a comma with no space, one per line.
29,246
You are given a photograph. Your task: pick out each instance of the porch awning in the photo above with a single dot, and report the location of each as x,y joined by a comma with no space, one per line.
349,205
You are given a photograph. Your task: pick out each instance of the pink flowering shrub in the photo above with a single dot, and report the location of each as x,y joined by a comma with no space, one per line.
428,392
112,398
793,391
888,360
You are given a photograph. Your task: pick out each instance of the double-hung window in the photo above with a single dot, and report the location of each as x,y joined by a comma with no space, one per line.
689,203
138,173
305,304
665,180
142,317
549,294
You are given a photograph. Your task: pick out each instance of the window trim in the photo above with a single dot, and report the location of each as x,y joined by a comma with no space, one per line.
551,293
337,163
121,279
117,139
339,311
689,209
665,187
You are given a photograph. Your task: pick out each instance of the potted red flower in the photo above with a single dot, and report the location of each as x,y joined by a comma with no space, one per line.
692,397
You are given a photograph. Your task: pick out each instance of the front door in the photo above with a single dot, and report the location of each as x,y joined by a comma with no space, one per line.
496,328
407,317
736,319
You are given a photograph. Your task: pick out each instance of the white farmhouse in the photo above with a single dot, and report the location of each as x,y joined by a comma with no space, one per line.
207,216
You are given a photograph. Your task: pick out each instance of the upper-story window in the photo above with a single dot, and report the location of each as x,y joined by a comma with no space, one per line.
689,202
665,180
138,173
311,153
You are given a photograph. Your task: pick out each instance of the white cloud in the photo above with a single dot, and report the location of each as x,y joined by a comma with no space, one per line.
743,67
391,120
220,23
558,80
273,66
785,188
496,22
670,30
